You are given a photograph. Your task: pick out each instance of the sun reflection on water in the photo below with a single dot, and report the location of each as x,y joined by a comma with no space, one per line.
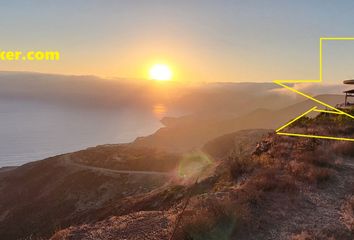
159,110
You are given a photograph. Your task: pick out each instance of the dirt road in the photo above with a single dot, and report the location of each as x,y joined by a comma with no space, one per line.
69,161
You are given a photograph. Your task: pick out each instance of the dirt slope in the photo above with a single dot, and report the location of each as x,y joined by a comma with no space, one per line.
40,197
282,188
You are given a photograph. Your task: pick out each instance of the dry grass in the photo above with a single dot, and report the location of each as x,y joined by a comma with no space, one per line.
63,234
271,180
240,165
348,213
309,172
321,157
305,235
302,236
34,238
217,221
351,203
305,159
345,149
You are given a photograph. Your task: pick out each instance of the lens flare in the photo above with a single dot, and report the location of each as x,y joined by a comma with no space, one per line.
193,164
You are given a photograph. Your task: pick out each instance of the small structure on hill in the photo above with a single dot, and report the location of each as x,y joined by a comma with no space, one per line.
348,93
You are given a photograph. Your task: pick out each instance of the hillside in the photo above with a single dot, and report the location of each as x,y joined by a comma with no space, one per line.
187,133
250,184
281,188
40,197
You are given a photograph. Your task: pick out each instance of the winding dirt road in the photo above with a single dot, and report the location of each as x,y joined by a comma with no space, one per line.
69,161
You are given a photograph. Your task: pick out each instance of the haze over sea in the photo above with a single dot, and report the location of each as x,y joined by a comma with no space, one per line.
35,130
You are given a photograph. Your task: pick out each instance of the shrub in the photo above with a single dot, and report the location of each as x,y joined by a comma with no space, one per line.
318,175
302,236
322,156
345,149
348,213
309,172
240,162
302,122
272,180
305,235
216,222
240,165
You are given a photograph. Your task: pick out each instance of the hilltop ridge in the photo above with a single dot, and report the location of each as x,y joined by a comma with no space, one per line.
277,188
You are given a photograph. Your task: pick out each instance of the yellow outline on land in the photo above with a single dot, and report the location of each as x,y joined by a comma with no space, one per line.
326,111
295,119
332,110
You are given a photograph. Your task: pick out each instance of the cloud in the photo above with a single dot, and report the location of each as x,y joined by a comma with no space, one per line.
313,89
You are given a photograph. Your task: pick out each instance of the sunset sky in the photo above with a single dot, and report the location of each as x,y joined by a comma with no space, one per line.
201,40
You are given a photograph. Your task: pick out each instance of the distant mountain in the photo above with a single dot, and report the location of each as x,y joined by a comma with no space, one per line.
92,91
81,91
294,110
187,133
205,101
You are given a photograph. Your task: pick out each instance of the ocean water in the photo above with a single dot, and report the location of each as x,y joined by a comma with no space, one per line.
32,131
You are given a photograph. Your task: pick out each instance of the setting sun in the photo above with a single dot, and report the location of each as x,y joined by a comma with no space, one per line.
160,72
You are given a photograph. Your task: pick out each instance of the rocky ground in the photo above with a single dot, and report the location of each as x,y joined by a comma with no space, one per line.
150,225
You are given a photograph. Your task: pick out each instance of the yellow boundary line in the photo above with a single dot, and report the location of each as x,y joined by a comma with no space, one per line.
295,119
334,110
316,136
326,111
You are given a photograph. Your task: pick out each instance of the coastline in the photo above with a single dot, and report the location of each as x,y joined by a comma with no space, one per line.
6,169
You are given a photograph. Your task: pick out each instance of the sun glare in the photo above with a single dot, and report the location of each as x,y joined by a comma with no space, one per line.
160,72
